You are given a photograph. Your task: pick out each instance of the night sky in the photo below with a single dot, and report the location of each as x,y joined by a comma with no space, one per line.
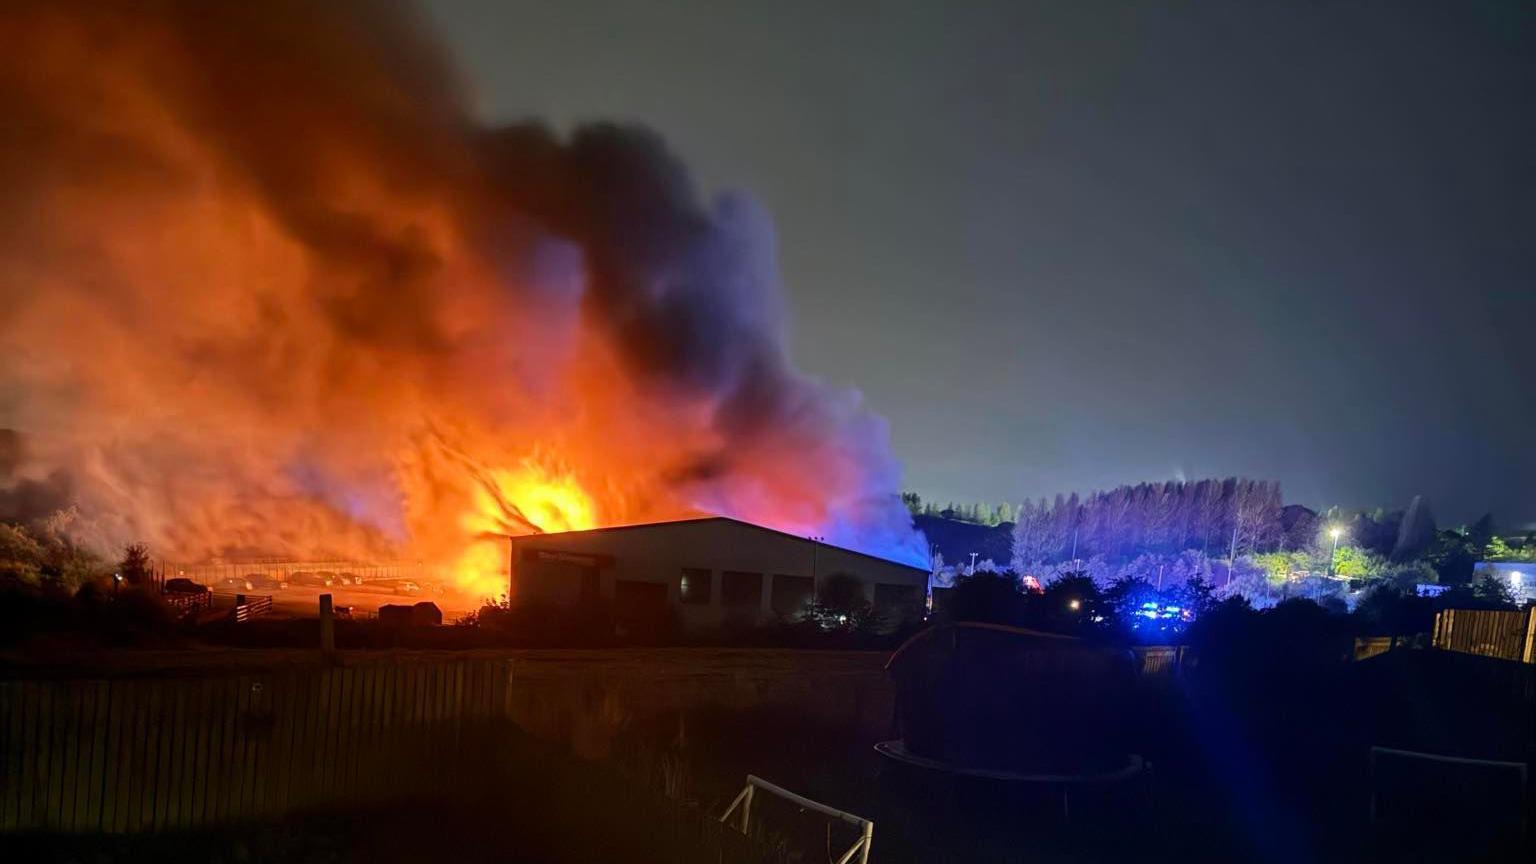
1063,246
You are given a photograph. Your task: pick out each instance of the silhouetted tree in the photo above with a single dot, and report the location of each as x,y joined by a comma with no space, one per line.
1479,535
135,566
988,597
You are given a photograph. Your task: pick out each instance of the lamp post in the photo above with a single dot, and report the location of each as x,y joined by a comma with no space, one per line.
1335,532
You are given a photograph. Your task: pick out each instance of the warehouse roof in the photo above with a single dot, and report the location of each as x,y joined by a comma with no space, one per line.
727,519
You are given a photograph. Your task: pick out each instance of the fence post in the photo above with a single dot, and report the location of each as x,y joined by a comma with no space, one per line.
327,627
1529,655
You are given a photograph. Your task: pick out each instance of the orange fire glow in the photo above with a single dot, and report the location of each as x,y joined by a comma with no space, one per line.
513,502
270,288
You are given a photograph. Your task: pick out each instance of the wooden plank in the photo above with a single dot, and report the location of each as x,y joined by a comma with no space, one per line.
187,816
18,761
331,755
210,742
329,691
202,764
124,809
301,766
13,693
148,767
244,753
362,710
84,735
66,744
220,752
346,727
456,700
412,731
282,704
251,787
86,743
42,813
377,763
384,736
88,817
234,774
431,779
165,754
309,729
261,743
10,750
406,729
111,756
60,713
178,805
228,773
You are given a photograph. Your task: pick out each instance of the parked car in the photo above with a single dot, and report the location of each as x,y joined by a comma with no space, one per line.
349,579
184,586
406,586
267,582
320,579
236,583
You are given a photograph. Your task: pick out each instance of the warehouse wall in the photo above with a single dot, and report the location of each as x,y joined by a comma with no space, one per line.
613,561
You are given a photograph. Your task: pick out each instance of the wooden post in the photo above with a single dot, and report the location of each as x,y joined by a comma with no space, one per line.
1529,655
327,626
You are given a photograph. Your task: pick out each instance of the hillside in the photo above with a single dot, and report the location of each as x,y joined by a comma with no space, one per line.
956,540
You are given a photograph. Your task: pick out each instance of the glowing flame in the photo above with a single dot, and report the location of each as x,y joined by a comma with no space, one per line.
317,309
529,499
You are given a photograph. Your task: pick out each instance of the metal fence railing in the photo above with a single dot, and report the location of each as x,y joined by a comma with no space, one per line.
253,607
743,805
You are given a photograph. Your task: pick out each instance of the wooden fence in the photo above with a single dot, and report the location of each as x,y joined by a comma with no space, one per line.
1159,661
1510,635
137,754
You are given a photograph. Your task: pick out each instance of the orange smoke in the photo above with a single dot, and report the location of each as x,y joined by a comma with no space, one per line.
270,289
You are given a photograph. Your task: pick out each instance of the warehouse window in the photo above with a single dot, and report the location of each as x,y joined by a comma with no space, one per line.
693,586
741,589
792,595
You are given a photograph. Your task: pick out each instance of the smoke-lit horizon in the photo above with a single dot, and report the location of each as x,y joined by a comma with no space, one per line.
271,287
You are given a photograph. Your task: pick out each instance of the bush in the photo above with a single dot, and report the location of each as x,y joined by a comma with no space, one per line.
841,606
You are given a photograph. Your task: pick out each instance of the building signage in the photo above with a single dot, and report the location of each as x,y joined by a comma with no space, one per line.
555,556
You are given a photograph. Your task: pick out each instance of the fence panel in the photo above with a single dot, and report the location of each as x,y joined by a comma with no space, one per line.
161,753
1489,632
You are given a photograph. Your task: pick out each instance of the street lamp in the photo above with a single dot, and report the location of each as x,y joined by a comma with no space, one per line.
1335,532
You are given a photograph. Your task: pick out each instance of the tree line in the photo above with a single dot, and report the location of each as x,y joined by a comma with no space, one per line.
1236,533
1235,516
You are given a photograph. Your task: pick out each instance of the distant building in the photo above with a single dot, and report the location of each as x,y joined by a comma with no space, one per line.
1520,576
710,572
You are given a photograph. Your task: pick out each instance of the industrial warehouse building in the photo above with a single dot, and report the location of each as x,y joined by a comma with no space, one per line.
711,572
